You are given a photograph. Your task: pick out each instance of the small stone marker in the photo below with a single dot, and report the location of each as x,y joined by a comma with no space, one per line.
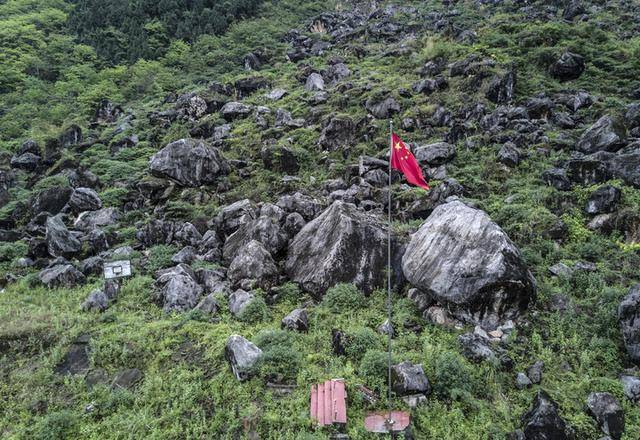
117,269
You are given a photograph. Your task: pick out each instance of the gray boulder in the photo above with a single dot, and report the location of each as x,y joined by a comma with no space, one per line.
188,235
231,217
543,422
208,305
90,220
603,200
338,133
253,262
178,289
264,229
629,318
509,155
296,320
567,67
239,300
235,110
60,242
26,161
435,154
607,412
607,134
463,260
84,199
382,109
407,378
97,301
306,206
631,387
242,355
314,83
502,88
61,275
190,162
342,245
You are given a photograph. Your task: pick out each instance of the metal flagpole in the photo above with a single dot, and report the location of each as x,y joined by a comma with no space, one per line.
389,325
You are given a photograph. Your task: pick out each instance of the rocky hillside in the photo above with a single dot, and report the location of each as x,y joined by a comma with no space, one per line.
242,171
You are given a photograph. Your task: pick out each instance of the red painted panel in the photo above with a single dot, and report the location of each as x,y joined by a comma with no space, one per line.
328,403
376,422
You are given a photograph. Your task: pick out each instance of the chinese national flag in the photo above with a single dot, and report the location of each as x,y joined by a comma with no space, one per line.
403,160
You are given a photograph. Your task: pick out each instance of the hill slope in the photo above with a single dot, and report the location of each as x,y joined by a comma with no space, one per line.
252,165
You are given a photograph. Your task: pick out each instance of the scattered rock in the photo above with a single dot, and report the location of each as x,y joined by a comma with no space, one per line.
238,302
542,421
435,154
631,387
90,220
607,412
242,355
522,381
460,258
629,317
235,110
603,200
296,320
337,134
97,301
321,254
534,372
568,67
607,134
557,177
179,289
382,109
208,305
76,360
126,379
265,230
60,242
61,275
84,199
253,262
501,88
189,162
509,155
408,378
314,83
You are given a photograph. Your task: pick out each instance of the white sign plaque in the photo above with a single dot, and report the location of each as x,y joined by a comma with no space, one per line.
117,269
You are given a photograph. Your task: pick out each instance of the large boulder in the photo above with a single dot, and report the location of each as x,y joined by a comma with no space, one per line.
61,275
253,262
179,289
502,88
435,154
242,355
408,378
603,200
314,83
463,260
382,109
296,320
567,67
342,245
60,242
607,134
51,200
238,302
338,133
542,421
90,220
235,110
264,229
190,162
629,317
84,199
607,412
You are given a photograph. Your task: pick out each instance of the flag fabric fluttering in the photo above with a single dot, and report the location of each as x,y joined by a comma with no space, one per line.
404,161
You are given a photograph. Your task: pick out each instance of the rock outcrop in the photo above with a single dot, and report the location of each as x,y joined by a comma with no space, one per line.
463,260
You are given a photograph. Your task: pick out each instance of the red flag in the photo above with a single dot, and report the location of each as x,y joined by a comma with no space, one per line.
404,161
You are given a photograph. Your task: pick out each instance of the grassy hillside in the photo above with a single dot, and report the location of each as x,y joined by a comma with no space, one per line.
51,78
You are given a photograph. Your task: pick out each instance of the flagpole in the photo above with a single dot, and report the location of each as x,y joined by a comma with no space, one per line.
389,326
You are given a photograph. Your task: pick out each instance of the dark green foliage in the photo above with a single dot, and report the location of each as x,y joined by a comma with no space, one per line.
373,368
11,251
452,375
280,362
57,425
343,297
256,311
125,30
160,257
360,341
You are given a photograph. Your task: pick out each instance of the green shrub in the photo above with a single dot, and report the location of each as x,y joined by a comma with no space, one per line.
360,341
343,297
452,375
374,367
160,257
57,425
11,251
280,362
255,311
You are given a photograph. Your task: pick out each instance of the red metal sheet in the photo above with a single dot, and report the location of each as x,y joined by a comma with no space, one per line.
376,422
328,402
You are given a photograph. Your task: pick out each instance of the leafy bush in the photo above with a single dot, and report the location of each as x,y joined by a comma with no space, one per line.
11,251
343,297
360,341
160,257
452,375
374,368
57,425
279,362
255,311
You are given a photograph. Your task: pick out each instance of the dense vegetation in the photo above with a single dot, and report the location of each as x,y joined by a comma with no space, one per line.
60,60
